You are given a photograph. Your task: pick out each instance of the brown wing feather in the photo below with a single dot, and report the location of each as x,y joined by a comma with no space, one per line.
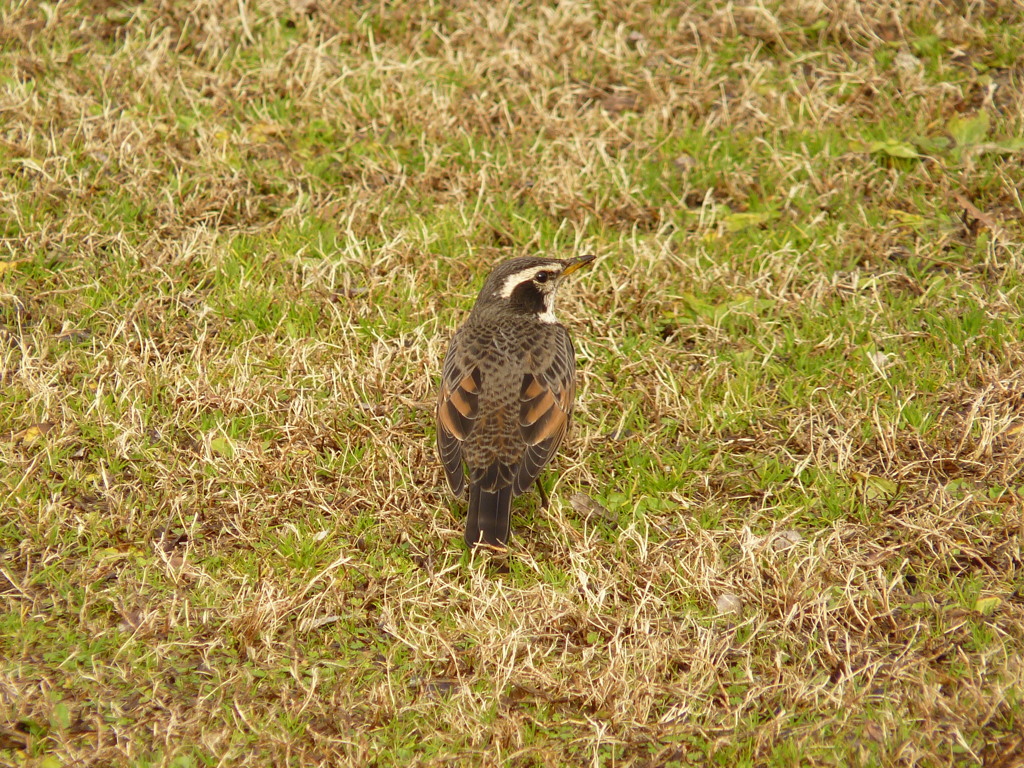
546,401
457,408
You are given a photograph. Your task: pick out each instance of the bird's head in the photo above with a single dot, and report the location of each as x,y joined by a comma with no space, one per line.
528,285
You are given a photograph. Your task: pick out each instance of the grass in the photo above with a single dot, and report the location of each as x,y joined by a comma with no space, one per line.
234,240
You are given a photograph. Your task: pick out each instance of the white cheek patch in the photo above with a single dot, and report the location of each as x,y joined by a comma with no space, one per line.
515,279
548,315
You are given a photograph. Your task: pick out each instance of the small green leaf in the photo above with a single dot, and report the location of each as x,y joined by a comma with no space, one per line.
987,605
893,148
931,145
222,446
736,222
914,220
881,487
876,486
61,716
696,309
956,488
616,500
969,130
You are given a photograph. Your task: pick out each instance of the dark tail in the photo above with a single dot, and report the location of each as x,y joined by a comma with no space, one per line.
488,518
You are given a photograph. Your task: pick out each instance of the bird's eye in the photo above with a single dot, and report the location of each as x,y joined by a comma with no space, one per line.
541,277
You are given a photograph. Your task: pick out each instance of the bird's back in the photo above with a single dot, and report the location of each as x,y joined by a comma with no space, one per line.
507,350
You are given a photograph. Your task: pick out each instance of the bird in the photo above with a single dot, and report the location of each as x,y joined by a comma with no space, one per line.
506,396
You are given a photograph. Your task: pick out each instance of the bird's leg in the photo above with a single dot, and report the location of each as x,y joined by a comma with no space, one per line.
543,495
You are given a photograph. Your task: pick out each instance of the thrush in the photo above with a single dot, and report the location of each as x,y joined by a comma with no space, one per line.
507,391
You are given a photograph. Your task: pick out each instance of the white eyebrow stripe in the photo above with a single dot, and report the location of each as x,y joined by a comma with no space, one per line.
515,279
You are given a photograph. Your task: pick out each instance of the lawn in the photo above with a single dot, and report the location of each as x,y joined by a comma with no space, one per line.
786,527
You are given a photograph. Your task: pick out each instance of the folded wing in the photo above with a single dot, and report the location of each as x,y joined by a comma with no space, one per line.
457,408
546,399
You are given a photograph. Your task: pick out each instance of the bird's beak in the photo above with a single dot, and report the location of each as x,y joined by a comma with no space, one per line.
579,261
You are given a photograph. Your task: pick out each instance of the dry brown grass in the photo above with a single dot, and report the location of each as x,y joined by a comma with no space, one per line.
234,238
